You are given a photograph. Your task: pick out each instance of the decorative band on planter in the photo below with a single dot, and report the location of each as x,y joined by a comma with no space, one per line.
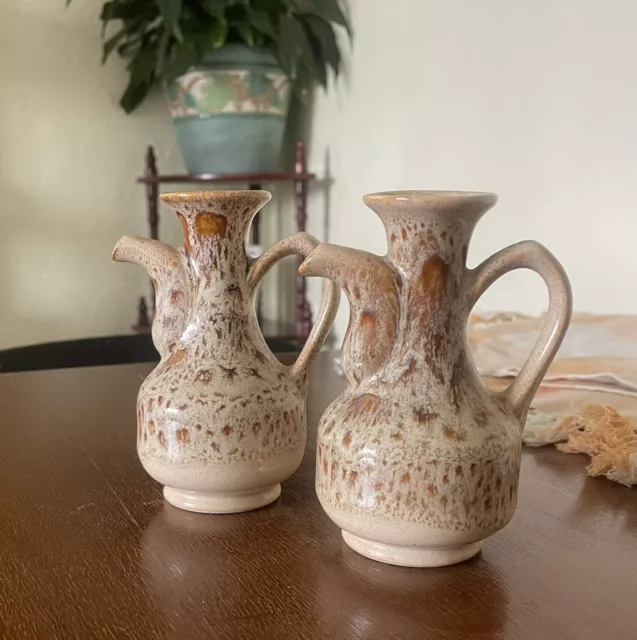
229,113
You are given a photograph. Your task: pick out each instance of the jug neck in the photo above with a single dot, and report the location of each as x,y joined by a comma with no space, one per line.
423,224
215,226
434,297
428,235
216,254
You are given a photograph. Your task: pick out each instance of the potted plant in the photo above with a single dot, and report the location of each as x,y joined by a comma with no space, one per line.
229,68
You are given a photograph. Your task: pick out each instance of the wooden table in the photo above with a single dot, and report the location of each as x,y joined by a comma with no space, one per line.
88,549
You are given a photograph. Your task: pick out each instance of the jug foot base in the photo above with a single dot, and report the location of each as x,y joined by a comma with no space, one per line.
221,502
410,556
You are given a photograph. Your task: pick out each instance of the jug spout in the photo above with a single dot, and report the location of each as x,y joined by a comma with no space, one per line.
372,288
167,268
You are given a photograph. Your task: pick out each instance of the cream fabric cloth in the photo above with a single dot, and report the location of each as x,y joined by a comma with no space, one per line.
587,403
599,353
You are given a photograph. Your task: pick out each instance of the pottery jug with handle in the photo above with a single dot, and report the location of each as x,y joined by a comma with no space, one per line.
418,461
221,422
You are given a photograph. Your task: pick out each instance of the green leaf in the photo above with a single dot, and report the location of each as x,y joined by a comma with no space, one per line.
261,21
136,15
142,66
331,10
171,13
316,69
125,48
132,33
111,43
183,56
162,51
323,32
297,56
312,60
142,77
218,33
245,31
133,96
215,8
286,45
121,10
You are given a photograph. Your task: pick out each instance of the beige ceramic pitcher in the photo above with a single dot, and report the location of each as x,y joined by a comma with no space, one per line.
221,422
418,461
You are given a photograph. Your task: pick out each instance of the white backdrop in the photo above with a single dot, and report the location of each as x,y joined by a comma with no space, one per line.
535,101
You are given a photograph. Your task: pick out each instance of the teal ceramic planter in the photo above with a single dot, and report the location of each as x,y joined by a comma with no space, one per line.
230,112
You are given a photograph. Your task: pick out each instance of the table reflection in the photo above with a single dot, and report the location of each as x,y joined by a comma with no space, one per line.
260,573
373,600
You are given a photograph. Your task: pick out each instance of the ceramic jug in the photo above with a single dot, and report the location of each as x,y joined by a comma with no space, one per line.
221,422
418,461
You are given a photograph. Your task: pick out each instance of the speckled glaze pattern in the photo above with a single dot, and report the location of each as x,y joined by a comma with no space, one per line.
221,422
417,461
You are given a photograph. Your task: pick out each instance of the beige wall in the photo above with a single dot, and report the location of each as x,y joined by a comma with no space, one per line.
68,161
532,100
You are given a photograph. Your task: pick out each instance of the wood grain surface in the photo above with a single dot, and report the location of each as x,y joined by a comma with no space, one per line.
88,549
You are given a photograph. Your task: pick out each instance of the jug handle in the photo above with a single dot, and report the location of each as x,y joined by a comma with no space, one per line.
302,244
534,256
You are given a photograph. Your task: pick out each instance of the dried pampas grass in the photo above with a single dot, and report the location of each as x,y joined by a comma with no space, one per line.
600,432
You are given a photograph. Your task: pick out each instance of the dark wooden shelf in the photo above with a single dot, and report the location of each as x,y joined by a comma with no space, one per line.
227,177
